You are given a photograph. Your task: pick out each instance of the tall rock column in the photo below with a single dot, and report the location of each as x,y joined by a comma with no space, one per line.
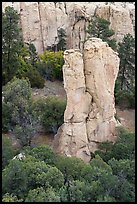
101,65
89,81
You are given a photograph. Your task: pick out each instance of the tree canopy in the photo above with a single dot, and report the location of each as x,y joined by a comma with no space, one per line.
99,28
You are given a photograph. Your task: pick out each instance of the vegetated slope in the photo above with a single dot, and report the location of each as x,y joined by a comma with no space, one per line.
126,116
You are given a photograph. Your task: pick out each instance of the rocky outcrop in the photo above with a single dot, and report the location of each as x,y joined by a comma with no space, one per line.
41,20
89,80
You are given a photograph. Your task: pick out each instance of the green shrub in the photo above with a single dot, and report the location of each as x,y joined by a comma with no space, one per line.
36,80
10,198
7,150
123,148
50,65
125,99
71,167
27,70
23,122
40,195
14,179
5,117
42,153
13,93
38,106
53,114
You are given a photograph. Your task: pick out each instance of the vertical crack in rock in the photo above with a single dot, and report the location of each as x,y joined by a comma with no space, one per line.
89,80
20,23
95,11
65,7
79,31
41,30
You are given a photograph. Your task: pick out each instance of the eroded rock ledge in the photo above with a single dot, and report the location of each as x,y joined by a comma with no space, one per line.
89,81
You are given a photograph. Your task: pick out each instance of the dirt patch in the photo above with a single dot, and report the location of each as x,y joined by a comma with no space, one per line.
42,138
127,118
55,88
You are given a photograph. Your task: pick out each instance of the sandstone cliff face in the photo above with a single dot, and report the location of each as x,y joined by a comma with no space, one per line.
89,80
40,20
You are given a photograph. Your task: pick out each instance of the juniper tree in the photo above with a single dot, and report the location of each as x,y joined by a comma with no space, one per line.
62,39
99,28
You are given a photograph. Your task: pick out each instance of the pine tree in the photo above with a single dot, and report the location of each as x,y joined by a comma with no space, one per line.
33,54
125,83
100,28
62,39
11,43
126,74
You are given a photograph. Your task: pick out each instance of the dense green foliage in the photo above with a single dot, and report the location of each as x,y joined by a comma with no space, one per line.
36,80
51,112
125,84
40,195
123,148
99,28
11,43
50,65
20,117
23,116
42,153
28,66
43,176
7,150
11,198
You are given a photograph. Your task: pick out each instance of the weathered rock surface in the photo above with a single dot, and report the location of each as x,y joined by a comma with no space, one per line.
40,20
89,80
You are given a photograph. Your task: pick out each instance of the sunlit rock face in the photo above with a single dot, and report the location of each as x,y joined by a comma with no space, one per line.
89,81
41,20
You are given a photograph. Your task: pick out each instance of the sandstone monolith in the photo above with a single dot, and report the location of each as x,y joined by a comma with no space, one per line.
89,80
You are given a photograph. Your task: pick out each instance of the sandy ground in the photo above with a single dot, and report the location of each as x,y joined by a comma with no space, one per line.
51,88
127,118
